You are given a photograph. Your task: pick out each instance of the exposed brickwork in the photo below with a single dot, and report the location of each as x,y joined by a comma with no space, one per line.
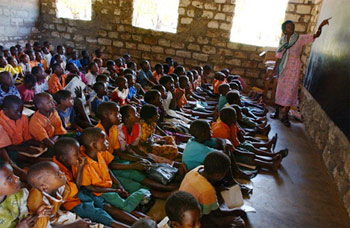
18,21
202,35
331,141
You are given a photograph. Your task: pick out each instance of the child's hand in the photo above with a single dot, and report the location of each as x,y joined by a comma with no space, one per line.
81,162
142,165
122,193
27,222
44,211
78,92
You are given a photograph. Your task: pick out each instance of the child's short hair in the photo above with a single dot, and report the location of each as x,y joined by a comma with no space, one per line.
110,63
89,135
38,98
101,78
129,71
178,203
11,100
228,114
120,80
207,67
148,111
165,79
105,107
130,64
157,66
150,95
62,146
91,64
178,70
55,66
98,85
219,76
174,76
37,173
229,78
232,97
238,82
198,128
145,223
166,68
69,66
216,162
29,79
158,87
234,85
222,88
124,111
61,95
36,69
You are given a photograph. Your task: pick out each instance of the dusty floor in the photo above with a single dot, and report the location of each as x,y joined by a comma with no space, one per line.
301,194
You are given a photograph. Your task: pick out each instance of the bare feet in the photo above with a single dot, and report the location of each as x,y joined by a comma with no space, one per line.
277,163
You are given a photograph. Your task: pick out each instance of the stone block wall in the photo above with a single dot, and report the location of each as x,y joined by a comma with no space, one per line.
202,35
18,21
331,141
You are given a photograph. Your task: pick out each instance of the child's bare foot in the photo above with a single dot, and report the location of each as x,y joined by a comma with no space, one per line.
265,131
283,153
277,163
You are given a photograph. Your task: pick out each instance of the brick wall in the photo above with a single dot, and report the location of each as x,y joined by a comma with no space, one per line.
202,34
18,21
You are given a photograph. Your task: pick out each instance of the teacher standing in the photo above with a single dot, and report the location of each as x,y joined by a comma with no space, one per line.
288,66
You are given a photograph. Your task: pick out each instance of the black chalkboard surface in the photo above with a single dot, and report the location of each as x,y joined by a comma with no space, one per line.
328,72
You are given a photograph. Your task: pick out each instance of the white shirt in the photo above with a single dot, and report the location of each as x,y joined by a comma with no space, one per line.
91,79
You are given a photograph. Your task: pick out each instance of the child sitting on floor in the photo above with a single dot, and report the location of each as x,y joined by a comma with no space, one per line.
27,88
183,210
163,146
57,80
226,128
80,201
145,75
45,123
6,86
223,90
73,69
130,160
219,78
13,201
100,96
49,188
233,98
121,91
92,73
41,85
14,131
158,72
65,110
75,60
24,63
199,182
110,70
98,178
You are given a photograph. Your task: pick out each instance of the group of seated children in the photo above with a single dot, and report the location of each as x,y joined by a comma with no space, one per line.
81,140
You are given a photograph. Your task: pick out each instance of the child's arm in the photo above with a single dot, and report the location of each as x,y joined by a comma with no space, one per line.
140,165
81,164
92,188
48,142
122,192
127,156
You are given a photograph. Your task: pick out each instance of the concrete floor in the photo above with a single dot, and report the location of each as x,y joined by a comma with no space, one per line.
302,193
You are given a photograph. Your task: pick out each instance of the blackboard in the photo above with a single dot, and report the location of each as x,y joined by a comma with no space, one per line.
327,76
